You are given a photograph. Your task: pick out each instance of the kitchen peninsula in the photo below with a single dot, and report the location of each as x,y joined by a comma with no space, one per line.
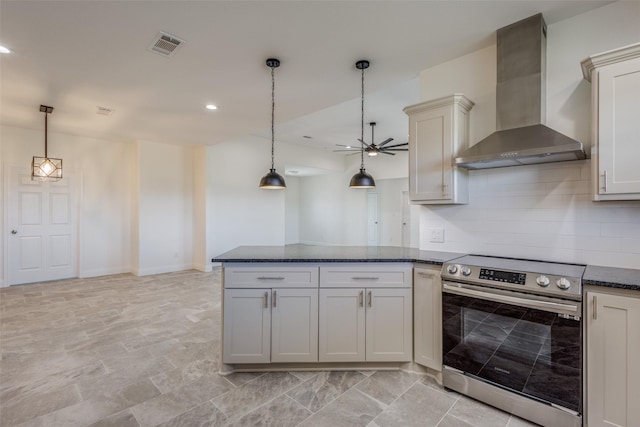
318,307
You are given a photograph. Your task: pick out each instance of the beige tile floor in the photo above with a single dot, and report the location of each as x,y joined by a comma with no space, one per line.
144,351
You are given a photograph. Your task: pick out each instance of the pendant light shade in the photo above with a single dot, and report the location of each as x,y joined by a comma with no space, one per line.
272,180
362,179
46,168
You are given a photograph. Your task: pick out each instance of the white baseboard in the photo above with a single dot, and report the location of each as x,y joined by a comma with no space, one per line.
161,270
2,284
104,271
207,268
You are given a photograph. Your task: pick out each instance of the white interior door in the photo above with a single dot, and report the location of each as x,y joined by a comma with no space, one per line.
406,220
373,226
42,219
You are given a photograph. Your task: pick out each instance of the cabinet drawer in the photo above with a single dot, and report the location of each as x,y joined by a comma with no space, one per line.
270,276
366,275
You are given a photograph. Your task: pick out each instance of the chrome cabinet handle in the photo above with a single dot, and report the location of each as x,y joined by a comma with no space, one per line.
361,298
370,298
595,307
270,278
265,298
14,231
605,181
274,297
364,278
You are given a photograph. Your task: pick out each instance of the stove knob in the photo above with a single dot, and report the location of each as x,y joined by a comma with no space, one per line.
543,281
465,271
452,269
563,283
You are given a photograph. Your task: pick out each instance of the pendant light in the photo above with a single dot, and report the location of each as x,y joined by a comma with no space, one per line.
362,179
272,180
46,168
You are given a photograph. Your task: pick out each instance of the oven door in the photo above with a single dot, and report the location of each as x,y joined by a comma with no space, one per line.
527,344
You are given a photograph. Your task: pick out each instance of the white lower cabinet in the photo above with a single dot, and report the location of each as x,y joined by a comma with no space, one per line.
270,325
361,324
247,326
389,321
613,360
427,328
312,313
294,325
342,325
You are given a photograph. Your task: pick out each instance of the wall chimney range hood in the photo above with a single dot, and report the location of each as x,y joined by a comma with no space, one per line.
521,137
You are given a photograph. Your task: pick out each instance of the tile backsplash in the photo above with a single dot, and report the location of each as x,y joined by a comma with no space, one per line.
540,212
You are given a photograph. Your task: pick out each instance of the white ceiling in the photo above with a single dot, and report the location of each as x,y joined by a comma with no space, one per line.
77,55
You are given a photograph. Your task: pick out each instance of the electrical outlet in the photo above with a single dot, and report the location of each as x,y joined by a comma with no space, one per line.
437,235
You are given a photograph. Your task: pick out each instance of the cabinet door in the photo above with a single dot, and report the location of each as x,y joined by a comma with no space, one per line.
342,325
294,325
247,326
430,152
389,321
613,360
427,295
619,128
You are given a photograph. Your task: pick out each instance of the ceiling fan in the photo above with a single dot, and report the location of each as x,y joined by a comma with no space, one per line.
373,149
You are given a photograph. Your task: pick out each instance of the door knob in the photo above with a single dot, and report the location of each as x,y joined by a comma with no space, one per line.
14,231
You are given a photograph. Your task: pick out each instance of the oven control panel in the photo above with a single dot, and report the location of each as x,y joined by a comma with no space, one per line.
502,276
517,280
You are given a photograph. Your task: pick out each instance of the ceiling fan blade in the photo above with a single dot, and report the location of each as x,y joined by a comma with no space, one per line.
386,152
365,144
397,145
386,141
335,151
396,149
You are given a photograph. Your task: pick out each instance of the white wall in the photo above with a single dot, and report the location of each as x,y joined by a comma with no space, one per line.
540,211
331,213
200,261
292,210
165,208
104,169
390,210
239,212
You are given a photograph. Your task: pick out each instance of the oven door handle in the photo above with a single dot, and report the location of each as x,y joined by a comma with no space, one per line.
555,307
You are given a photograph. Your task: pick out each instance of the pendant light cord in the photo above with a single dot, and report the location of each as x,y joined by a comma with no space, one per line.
362,123
45,135
273,109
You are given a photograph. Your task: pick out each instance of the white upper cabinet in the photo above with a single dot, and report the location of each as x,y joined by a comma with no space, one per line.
438,131
615,91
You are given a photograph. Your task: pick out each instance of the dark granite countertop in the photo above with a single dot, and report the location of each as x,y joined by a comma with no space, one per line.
612,277
311,253
624,278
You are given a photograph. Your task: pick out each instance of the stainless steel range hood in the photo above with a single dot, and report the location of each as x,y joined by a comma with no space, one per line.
521,137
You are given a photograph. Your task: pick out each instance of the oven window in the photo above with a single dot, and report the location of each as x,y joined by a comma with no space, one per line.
533,352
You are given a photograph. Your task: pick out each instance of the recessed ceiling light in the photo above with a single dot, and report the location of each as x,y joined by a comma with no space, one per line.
212,107
4,49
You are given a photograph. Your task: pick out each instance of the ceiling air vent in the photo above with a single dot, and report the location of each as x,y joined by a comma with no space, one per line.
165,44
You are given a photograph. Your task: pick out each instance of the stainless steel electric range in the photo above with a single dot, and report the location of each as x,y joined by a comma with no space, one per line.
512,336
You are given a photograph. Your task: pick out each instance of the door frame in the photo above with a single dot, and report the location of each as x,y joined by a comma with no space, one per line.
76,186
